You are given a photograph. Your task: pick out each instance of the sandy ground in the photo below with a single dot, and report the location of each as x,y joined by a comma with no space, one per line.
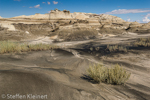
61,74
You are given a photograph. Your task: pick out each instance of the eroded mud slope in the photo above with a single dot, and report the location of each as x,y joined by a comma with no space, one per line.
61,74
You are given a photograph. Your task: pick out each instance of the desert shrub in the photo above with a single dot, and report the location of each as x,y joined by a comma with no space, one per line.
116,48
8,46
91,48
142,42
115,75
98,73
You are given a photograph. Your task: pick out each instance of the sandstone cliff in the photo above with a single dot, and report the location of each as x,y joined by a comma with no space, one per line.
72,26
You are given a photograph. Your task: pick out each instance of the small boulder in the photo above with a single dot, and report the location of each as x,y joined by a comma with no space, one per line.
27,32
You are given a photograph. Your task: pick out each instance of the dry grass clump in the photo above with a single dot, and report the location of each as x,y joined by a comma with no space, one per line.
8,46
142,42
116,48
40,47
24,47
115,75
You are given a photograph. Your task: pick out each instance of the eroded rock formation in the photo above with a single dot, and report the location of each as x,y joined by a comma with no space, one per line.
71,26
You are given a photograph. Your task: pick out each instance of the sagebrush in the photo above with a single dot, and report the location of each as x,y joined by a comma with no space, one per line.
142,42
114,75
113,48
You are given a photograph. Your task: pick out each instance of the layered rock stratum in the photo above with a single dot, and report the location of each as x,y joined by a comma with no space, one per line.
70,26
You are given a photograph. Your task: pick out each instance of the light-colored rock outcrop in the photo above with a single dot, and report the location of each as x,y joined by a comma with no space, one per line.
135,24
8,25
81,17
36,16
94,21
1,17
69,26
104,18
146,26
136,27
56,14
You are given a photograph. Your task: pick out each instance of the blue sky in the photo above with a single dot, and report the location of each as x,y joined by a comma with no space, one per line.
131,10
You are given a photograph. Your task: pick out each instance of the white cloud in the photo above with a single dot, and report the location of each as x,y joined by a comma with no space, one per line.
55,2
43,2
37,6
126,11
128,19
30,7
48,3
146,19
